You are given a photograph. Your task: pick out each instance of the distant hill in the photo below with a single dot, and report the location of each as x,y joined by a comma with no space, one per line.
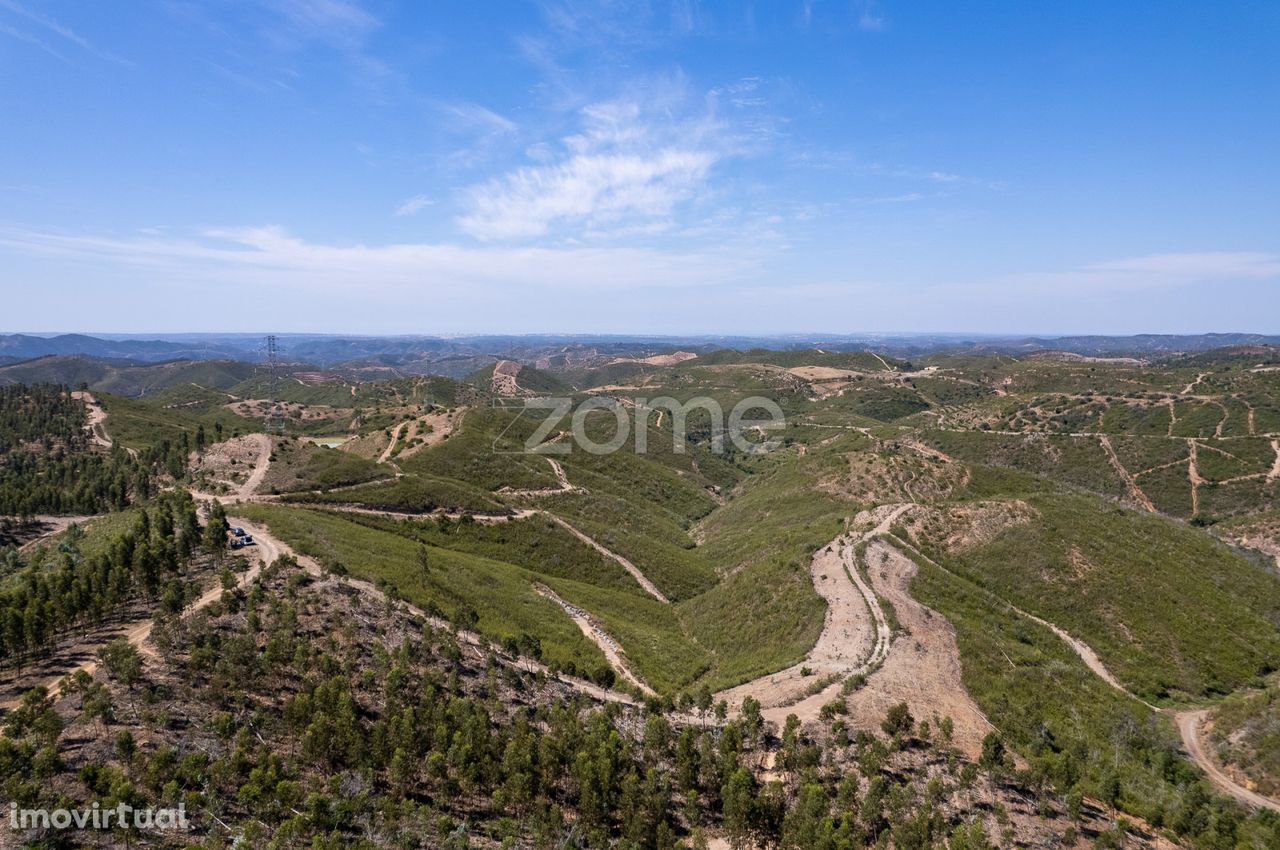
24,347
1142,343
125,377
1244,355
508,378
364,357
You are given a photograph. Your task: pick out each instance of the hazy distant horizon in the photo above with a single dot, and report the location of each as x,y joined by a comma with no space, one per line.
708,335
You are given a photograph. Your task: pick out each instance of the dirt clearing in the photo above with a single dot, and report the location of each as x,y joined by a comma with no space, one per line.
855,634
923,665
238,464
97,416
504,378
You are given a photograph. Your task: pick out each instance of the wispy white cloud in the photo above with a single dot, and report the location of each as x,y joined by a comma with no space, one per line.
14,32
907,198
473,115
625,168
868,19
931,175
415,204
343,26
57,27
337,287
1240,265
742,93
484,134
1145,272
248,81
828,159
272,257
341,23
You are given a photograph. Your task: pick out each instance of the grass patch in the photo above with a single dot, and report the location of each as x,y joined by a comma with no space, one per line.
411,494
302,465
1173,613
765,614
1051,708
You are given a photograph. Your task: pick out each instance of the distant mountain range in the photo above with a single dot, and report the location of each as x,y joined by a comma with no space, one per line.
419,354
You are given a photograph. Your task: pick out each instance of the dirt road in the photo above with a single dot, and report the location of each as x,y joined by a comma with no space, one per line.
855,634
139,633
504,381
596,634
1135,492
1189,727
563,484
391,444
923,667
641,579
268,548
487,519
1192,385
96,415
52,525
260,464
273,548
1188,721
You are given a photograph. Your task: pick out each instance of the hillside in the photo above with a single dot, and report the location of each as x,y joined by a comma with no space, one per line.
1072,558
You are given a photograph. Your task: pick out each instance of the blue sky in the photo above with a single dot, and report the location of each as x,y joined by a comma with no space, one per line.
383,167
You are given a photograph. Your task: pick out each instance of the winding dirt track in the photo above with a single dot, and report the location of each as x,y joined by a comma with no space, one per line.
935,668
596,634
139,633
267,549
855,634
274,547
96,417
391,444
1135,492
920,667
486,519
1187,721
563,485
56,525
643,580
254,481
923,666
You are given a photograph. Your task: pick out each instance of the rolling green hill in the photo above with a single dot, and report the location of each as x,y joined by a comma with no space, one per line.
1130,504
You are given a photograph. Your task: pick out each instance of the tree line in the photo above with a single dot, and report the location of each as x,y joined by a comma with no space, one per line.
63,588
49,465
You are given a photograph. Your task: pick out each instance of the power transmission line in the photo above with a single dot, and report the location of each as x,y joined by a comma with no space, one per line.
274,420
